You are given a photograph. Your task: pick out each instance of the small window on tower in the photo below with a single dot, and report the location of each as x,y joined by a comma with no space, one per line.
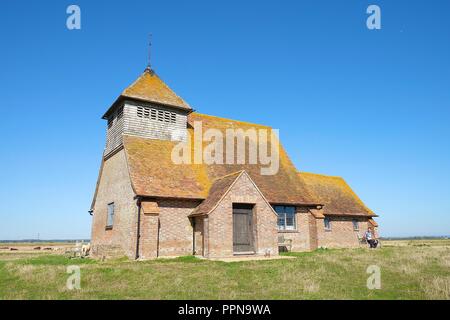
146,112
140,112
166,116
153,114
173,117
160,115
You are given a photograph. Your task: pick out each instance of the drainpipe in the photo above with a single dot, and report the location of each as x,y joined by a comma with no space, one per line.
138,231
193,236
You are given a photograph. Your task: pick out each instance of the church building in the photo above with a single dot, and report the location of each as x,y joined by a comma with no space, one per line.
147,206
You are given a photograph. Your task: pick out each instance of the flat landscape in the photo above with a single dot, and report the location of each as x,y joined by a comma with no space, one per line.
410,269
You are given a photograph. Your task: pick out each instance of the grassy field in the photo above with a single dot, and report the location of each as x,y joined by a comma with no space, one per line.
409,270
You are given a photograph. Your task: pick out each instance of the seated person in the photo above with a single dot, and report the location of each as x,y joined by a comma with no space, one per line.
370,238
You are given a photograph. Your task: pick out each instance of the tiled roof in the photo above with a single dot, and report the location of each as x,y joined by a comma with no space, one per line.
154,174
373,223
218,189
336,195
149,87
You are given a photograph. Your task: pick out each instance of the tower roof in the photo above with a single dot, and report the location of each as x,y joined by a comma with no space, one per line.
150,88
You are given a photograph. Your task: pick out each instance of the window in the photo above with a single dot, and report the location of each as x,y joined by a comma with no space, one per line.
140,112
143,112
327,224
158,115
286,217
153,114
166,116
355,225
110,218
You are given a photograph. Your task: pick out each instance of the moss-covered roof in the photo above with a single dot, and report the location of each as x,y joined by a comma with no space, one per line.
218,189
336,195
154,174
149,87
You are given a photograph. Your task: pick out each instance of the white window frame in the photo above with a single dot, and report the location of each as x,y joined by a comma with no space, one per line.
110,215
284,214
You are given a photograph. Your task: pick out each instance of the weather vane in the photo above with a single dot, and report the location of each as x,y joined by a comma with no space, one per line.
149,66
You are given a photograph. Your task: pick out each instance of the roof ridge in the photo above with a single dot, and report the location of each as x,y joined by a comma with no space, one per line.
222,118
152,73
229,175
320,174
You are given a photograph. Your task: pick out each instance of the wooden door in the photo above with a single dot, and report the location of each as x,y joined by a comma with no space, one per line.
243,229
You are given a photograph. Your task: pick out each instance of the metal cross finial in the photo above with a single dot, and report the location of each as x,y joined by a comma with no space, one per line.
149,66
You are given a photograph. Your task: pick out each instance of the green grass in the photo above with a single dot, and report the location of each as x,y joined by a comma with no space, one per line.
410,271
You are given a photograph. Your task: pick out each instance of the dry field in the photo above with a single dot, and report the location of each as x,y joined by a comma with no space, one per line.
409,270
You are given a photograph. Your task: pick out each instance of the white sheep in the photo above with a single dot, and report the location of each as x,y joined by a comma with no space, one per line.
85,249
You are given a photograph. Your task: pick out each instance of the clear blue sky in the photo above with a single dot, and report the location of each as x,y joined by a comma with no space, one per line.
371,106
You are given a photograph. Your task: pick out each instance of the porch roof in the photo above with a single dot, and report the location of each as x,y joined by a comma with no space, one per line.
219,188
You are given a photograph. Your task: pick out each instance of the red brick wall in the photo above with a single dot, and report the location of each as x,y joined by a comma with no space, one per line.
175,233
149,233
114,186
171,233
341,234
301,237
311,233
